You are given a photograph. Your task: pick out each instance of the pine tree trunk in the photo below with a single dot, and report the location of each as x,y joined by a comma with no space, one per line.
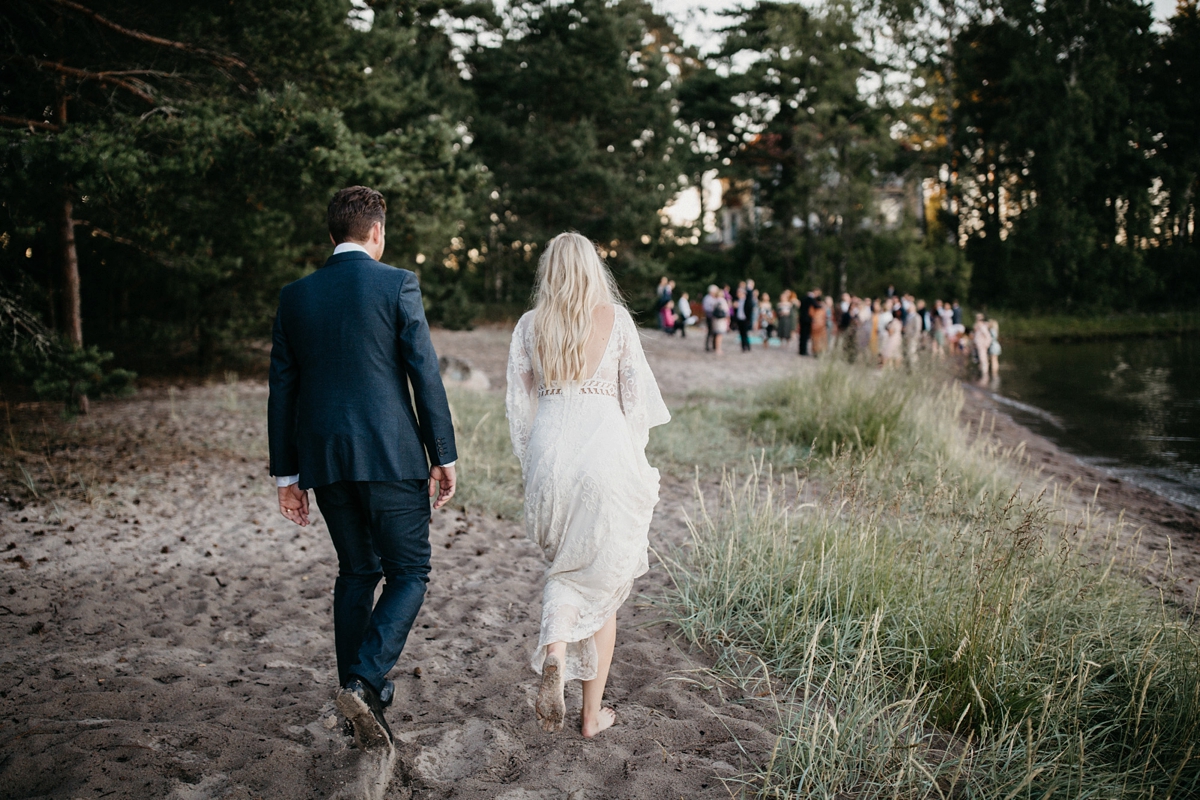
72,320
951,145
789,250
72,313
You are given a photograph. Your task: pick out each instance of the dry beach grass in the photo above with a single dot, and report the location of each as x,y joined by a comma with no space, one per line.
933,628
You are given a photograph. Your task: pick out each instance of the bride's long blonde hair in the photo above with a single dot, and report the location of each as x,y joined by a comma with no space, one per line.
571,282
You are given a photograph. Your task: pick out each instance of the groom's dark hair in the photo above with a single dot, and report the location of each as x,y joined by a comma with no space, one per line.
353,211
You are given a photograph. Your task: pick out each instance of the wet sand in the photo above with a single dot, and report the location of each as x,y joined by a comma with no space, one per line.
165,633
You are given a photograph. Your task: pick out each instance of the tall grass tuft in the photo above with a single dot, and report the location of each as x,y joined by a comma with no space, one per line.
838,407
489,475
931,630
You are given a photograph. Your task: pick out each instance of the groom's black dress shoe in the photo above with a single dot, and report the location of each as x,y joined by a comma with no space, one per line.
359,702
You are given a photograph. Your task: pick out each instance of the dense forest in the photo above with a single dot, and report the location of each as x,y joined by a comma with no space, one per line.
164,167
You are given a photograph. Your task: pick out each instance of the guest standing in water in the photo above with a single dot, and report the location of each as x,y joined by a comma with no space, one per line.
581,402
981,337
994,348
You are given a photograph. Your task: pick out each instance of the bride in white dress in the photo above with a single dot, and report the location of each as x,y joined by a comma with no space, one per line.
581,401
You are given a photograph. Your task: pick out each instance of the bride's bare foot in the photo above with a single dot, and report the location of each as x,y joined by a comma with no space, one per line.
550,707
603,720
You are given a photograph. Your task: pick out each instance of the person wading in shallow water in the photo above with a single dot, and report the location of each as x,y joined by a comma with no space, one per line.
348,341
581,402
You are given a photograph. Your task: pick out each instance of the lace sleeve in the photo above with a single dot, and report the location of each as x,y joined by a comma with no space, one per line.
640,398
521,398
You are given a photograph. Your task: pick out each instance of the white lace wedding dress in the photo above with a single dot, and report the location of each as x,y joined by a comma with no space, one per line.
589,491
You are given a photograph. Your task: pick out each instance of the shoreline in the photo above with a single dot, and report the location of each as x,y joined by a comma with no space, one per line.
1112,490
1059,328
1129,473
1163,535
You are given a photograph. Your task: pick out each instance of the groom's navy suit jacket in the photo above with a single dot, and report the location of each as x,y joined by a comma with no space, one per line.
348,340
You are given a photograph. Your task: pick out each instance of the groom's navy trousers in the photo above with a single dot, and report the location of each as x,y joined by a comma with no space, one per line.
350,340
380,529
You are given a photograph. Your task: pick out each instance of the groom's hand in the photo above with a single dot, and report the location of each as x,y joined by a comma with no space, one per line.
442,481
293,504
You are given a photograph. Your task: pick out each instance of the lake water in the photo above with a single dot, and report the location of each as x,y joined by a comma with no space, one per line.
1131,405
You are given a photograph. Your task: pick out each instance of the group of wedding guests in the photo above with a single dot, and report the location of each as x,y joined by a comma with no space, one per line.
888,331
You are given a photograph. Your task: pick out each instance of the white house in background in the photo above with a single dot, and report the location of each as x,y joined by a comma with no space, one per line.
895,198
729,211
739,214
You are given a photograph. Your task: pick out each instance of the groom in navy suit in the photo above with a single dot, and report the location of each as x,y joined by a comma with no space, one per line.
349,340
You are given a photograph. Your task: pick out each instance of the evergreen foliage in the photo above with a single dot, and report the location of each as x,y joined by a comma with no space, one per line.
54,369
191,148
199,196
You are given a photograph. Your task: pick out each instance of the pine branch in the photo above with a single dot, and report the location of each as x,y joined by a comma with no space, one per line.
19,324
136,87
28,123
219,59
112,237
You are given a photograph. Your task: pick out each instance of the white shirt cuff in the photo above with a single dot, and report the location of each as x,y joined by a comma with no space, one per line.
449,463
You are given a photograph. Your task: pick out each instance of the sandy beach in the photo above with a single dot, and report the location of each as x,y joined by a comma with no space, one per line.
165,633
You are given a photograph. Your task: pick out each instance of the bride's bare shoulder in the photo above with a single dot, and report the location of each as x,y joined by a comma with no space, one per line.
617,312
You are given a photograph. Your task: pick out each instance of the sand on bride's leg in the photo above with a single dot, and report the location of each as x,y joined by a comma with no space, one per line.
550,708
596,717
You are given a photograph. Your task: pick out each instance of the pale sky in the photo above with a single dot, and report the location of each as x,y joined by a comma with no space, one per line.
698,18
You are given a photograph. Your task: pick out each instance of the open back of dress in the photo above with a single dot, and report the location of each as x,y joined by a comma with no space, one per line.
589,491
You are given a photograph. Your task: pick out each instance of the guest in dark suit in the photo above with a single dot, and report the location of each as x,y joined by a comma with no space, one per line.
349,339
741,315
751,304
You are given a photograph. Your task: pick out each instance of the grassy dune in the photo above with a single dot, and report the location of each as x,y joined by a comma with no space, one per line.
932,629
928,626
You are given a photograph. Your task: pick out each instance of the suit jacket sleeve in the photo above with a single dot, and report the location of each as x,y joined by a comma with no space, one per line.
281,405
421,365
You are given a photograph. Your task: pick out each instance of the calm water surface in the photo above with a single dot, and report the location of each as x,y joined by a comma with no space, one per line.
1131,405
